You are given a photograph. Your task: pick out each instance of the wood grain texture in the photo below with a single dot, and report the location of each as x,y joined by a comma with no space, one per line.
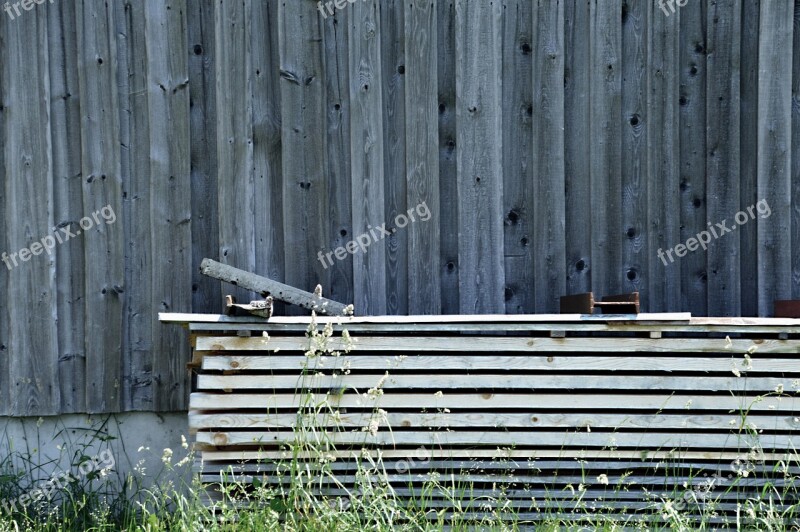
635,179
694,286
6,348
605,79
774,155
170,186
102,188
663,184
519,221
723,59
479,158
234,143
795,151
577,196
33,366
65,124
422,156
367,152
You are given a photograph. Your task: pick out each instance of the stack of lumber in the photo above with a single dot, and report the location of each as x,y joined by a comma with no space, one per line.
626,407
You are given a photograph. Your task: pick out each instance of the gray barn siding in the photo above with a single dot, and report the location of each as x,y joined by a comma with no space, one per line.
261,133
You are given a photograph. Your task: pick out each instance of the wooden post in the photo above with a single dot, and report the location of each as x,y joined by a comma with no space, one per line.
268,287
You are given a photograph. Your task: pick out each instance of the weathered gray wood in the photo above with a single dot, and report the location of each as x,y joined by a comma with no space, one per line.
774,155
577,195
6,348
234,142
795,151
635,178
267,152
694,287
67,203
422,156
392,63
723,78
479,157
448,149
102,187
605,163
264,287
748,159
33,366
663,184
337,88
137,377
518,178
170,185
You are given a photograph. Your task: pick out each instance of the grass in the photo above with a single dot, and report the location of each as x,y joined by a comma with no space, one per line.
317,486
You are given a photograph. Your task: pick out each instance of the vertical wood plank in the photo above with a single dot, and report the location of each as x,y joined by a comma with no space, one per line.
206,292
518,175
549,257
101,170
774,155
67,203
748,159
367,155
795,178
448,149
479,158
693,155
722,153
337,113
422,156
267,156
236,192
577,137
135,166
6,350
605,34
663,67
392,51
304,158
170,210
635,178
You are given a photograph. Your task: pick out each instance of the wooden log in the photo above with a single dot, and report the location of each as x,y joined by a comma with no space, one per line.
268,287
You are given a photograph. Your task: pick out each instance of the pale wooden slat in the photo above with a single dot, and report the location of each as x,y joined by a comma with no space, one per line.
479,156
641,440
367,154
490,381
774,182
547,161
708,366
5,362
422,155
723,28
210,454
67,204
170,185
497,344
102,186
520,401
489,420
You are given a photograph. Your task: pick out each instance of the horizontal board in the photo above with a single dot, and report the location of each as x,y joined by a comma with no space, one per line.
502,344
362,383
521,401
501,362
491,420
502,438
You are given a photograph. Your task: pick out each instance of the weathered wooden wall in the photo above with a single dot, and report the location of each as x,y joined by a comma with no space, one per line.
557,144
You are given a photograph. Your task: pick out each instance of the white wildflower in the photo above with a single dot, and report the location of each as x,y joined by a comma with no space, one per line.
438,394
602,479
167,456
779,389
184,443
